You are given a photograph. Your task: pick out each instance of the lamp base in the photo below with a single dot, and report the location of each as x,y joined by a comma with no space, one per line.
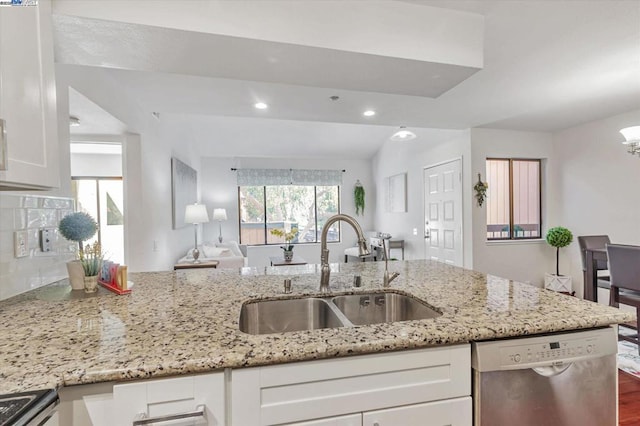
196,255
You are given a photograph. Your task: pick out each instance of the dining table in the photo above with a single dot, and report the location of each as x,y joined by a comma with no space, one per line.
592,257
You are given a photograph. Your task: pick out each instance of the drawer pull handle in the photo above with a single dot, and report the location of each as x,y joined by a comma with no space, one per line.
142,419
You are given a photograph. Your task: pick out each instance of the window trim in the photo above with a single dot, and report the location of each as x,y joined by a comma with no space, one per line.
315,207
511,227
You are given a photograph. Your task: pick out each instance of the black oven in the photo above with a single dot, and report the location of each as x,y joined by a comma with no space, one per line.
27,408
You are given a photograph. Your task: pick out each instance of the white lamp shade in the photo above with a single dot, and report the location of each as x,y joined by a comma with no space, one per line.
631,135
196,213
219,214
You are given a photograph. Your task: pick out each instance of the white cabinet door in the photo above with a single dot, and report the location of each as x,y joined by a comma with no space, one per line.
287,393
350,420
29,157
452,412
164,397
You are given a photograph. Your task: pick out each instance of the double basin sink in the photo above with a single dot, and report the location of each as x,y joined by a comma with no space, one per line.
310,313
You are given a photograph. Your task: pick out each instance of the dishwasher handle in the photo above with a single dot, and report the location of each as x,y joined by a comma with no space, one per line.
551,370
142,419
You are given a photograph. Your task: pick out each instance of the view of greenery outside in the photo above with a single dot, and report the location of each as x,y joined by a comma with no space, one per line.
306,208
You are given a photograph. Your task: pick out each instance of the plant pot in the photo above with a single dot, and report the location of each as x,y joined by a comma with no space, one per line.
288,255
560,283
76,274
91,284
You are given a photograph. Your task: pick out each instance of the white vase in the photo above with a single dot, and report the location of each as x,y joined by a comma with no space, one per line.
561,283
76,274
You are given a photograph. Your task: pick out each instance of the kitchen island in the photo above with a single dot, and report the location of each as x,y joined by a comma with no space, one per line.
182,322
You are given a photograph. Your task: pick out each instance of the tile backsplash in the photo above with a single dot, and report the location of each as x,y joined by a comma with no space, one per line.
31,213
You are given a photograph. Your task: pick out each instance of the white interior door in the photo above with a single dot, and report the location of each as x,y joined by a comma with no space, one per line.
443,212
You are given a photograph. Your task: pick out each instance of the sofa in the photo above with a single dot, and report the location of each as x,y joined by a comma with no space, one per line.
230,254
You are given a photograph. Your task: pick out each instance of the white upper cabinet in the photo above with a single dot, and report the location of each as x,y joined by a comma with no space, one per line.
29,151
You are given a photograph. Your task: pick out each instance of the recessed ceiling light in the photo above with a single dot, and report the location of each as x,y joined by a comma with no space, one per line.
261,105
74,121
369,113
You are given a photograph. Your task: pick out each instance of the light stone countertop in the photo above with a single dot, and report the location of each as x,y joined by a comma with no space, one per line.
187,321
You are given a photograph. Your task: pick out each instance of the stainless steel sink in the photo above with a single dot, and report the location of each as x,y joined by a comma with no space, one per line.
277,316
373,308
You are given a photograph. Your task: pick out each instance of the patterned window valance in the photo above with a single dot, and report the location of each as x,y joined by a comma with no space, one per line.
266,177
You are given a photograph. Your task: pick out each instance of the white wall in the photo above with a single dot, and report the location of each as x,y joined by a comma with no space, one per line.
154,245
220,190
430,147
597,185
525,261
103,165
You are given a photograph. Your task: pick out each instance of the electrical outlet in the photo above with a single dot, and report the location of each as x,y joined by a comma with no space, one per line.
46,239
415,231
20,243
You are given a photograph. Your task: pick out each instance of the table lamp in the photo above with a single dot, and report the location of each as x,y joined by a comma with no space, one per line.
220,215
196,213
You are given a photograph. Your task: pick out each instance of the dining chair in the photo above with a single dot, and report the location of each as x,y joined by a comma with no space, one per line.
624,269
594,242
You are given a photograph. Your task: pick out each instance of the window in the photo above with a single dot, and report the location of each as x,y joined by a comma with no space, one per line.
263,208
514,202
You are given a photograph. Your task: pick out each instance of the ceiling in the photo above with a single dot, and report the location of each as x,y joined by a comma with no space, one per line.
548,65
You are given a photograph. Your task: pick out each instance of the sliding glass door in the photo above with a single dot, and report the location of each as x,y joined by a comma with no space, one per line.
103,199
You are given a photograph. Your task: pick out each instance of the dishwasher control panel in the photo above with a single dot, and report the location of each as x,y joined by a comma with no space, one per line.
534,351
555,348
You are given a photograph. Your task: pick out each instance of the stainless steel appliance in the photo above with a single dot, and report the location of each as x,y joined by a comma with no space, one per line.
554,380
27,408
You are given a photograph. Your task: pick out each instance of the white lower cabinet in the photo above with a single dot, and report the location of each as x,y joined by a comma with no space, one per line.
413,385
165,398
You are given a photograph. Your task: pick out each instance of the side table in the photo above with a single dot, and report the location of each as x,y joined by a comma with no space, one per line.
207,264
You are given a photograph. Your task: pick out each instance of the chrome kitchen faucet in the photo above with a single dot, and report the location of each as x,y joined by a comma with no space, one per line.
325,270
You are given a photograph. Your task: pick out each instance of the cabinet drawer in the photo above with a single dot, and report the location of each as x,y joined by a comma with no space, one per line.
317,389
453,412
171,396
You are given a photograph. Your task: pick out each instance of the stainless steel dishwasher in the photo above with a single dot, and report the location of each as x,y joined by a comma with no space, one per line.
562,379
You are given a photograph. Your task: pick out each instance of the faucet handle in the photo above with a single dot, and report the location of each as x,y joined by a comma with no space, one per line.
357,281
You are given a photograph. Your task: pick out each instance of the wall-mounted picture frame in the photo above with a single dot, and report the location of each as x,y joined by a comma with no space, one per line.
184,190
397,193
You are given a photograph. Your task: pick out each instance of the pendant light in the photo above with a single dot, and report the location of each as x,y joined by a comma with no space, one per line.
403,135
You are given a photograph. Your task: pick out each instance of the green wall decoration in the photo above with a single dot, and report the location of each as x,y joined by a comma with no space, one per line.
358,196
481,190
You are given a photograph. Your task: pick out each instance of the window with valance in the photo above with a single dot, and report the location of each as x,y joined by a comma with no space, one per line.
286,199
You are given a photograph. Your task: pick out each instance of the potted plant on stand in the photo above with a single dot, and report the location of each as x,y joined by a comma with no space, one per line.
91,260
288,237
558,237
78,227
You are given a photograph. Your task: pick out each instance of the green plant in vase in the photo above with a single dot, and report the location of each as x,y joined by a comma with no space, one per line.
91,259
288,237
559,237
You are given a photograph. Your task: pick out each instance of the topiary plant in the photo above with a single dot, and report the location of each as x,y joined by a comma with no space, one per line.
559,237
78,226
